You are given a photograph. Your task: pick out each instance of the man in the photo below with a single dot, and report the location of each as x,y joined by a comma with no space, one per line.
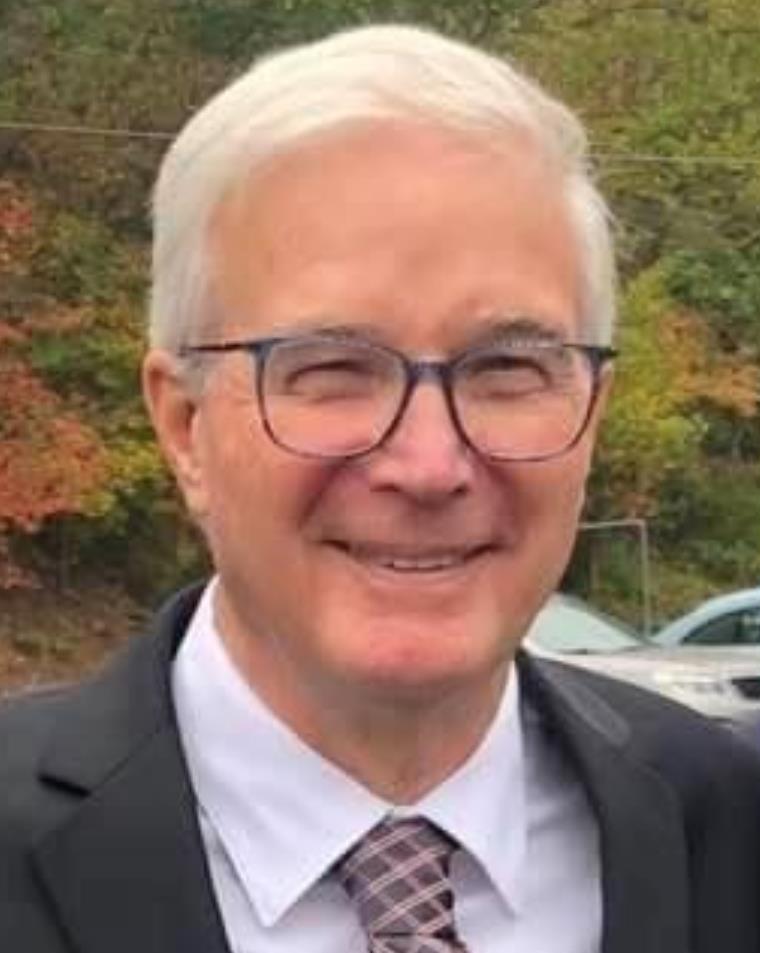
750,731
382,309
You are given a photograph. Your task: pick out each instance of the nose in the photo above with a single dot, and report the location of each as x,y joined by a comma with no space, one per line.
425,457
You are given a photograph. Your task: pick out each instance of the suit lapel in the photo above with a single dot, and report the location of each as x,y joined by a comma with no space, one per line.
126,870
645,902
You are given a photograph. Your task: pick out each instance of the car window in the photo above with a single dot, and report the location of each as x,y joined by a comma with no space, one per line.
733,628
566,627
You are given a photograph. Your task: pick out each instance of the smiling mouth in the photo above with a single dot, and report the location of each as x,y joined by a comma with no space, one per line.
377,557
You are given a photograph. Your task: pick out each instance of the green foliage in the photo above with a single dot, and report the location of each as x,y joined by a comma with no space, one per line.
81,260
724,284
670,93
238,31
98,365
650,430
662,83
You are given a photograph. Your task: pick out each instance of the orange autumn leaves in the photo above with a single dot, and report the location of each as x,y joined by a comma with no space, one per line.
51,462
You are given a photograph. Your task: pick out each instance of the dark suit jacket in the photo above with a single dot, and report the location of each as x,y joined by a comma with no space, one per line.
100,850
751,732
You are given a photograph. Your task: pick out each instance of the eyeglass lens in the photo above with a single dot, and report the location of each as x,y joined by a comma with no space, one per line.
337,398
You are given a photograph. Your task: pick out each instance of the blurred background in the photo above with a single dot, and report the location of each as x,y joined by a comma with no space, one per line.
91,92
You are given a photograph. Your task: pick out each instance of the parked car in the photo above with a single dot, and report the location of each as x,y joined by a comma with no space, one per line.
730,619
720,682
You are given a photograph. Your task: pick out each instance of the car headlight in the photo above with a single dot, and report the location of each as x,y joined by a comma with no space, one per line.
694,683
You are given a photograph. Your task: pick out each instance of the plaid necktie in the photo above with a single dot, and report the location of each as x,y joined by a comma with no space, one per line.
398,877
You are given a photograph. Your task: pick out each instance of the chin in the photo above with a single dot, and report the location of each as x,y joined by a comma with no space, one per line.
409,656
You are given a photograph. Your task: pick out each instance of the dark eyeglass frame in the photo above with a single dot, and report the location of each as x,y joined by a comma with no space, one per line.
440,370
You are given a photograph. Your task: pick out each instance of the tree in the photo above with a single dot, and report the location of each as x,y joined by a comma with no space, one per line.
671,377
669,90
51,464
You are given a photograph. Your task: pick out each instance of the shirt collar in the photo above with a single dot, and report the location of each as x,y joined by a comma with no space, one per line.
284,814
483,804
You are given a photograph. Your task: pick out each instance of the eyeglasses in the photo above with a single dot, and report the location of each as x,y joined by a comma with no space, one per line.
332,396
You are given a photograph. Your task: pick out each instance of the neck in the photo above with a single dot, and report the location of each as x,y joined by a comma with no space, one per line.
398,743
402,751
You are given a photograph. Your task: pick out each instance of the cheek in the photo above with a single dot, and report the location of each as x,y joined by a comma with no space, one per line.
563,489
260,496
546,502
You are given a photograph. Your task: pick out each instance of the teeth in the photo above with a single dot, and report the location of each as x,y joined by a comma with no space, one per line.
429,564
386,559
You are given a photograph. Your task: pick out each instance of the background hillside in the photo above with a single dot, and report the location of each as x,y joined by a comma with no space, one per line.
90,93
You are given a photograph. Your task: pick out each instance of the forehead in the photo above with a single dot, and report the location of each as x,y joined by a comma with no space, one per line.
415,231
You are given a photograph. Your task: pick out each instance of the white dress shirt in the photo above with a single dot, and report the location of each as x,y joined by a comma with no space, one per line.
275,815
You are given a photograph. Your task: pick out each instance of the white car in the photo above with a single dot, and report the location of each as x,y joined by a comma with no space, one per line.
730,619
720,682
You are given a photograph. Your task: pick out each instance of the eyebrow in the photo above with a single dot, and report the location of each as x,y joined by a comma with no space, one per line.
498,329
324,327
507,329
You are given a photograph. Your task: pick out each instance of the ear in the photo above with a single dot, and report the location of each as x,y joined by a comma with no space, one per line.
174,412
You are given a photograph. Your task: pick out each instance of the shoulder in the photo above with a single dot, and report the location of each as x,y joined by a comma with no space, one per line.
56,743
28,723
27,719
691,753
750,732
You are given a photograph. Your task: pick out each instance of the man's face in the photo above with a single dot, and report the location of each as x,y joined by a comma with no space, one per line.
414,569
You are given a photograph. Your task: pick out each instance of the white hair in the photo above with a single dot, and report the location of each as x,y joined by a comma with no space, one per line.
370,73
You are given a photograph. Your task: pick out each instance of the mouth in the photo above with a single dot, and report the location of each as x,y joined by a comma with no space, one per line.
407,561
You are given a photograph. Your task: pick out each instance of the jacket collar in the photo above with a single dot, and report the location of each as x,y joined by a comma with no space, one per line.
126,869
117,757
132,700
645,897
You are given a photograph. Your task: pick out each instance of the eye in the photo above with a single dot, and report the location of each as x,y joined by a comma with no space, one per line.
317,370
505,374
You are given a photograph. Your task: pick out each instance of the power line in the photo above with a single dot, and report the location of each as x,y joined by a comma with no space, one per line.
683,158
162,136
97,131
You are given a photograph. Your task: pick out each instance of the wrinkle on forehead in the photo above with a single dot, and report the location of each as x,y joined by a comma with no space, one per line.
384,176
395,143
396,137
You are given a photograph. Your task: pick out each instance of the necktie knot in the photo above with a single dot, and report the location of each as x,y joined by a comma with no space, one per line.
398,877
